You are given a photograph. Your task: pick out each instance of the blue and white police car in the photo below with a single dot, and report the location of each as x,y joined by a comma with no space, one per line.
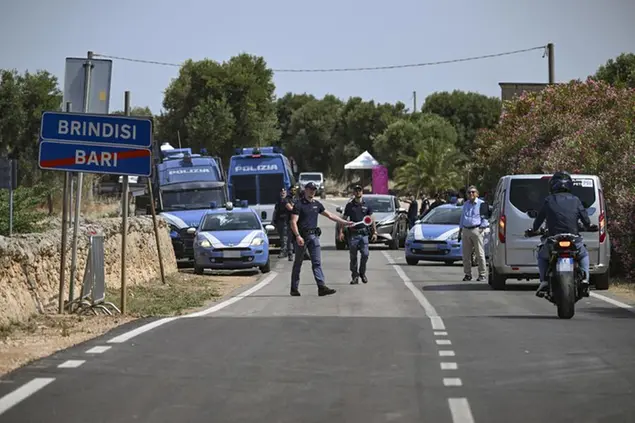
435,237
230,239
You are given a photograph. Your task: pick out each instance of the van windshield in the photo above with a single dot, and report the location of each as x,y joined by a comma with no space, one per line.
530,194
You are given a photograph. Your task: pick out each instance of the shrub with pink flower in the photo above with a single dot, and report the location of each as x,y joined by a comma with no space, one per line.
581,127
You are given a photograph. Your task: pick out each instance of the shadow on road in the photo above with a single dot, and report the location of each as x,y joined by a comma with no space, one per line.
240,272
610,311
472,286
524,316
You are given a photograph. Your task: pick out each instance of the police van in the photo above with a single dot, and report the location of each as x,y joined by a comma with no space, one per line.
257,174
184,185
516,203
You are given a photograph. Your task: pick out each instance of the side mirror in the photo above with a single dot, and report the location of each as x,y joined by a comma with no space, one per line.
532,213
269,228
263,215
485,210
191,231
338,209
417,222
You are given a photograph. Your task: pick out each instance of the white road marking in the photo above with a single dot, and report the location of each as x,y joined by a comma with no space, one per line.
613,302
461,411
71,364
452,381
449,366
148,327
98,349
266,281
431,312
23,392
440,333
141,329
444,342
446,353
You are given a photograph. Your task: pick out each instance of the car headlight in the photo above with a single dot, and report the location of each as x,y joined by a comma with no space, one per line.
454,236
257,242
411,235
205,244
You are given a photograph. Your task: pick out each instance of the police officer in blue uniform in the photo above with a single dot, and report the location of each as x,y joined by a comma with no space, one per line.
356,210
281,217
304,225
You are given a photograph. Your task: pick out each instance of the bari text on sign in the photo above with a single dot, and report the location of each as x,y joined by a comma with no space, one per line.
95,159
97,129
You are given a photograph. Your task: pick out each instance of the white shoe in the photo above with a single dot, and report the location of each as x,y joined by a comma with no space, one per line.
542,289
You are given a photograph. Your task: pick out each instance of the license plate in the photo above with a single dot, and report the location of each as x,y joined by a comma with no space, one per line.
565,265
430,246
231,254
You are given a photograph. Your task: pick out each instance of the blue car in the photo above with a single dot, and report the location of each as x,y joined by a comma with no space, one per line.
435,237
231,239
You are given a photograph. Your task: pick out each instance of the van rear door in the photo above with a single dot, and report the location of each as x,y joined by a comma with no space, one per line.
526,194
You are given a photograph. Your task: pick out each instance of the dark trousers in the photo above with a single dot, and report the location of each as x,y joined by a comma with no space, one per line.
358,243
312,244
285,237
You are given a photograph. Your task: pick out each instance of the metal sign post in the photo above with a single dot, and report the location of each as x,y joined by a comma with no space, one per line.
66,199
124,220
9,181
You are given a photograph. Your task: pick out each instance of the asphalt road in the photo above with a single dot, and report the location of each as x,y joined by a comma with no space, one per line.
413,345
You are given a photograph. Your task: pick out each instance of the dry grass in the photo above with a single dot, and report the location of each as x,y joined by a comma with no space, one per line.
623,289
43,335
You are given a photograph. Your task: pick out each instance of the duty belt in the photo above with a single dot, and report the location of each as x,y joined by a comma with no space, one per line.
362,232
311,231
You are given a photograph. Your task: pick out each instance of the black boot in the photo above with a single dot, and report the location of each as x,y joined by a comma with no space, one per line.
295,292
325,290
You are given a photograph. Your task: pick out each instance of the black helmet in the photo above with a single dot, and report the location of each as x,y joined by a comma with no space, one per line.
560,182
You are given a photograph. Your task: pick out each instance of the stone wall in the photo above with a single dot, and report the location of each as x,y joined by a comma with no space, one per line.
30,264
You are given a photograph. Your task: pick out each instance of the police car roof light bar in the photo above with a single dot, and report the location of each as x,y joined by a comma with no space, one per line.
244,203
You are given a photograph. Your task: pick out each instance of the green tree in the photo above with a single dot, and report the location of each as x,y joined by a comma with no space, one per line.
468,112
619,71
408,136
23,99
135,111
432,170
220,106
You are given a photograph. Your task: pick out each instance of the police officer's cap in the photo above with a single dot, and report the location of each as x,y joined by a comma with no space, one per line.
357,187
310,185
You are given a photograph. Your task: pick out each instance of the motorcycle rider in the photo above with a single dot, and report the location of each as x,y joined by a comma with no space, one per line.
562,210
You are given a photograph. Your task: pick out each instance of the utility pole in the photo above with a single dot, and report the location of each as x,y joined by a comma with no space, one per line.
552,76
414,102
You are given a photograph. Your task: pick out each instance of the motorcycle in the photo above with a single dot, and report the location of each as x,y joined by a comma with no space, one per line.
564,274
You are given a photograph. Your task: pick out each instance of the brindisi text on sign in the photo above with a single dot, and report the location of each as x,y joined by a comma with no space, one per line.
97,129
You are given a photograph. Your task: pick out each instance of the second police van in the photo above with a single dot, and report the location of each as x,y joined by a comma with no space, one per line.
257,174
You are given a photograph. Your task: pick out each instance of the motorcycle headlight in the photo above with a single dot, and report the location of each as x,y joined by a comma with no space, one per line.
205,244
257,242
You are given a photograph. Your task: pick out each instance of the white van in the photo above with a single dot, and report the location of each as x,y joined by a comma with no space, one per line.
516,202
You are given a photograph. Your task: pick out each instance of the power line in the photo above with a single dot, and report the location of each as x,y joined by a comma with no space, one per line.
413,65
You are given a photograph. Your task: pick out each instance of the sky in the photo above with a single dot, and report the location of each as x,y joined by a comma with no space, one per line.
293,34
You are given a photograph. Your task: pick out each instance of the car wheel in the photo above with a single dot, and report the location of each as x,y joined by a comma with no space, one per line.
412,261
495,280
601,282
267,267
199,270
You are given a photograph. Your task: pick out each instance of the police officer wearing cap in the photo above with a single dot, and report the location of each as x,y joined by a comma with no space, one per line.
356,209
304,225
